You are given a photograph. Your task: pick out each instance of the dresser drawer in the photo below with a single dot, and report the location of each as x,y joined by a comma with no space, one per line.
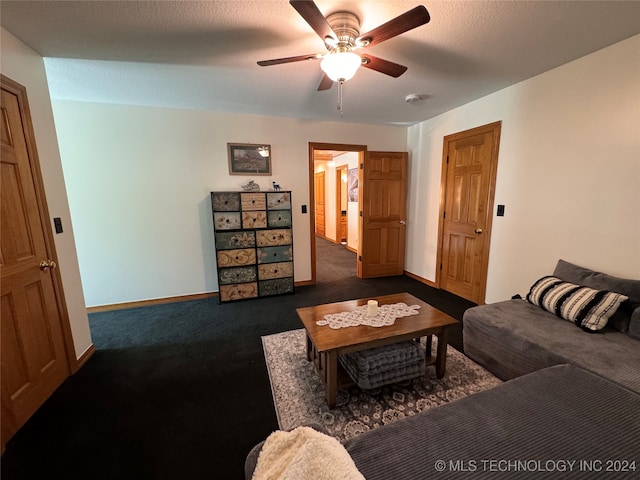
279,201
278,286
238,291
238,275
271,238
275,270
226,220
279,218
253,201
225,201
256,219
229,240
236,258
275,254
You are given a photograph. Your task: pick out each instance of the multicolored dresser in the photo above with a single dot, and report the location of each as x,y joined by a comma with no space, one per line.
254,244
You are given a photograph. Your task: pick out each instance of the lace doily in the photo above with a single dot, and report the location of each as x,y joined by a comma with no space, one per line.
386,316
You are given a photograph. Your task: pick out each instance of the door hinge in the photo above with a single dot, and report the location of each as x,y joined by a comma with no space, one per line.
359,258
444,214
361,166
447,159
360,212
440,265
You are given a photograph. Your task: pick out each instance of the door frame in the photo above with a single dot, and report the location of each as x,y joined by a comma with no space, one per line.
313,146
496,127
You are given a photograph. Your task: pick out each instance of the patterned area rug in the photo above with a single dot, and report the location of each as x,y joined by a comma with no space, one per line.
298,391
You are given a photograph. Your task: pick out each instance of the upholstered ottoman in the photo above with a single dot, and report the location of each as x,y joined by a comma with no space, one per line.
380,366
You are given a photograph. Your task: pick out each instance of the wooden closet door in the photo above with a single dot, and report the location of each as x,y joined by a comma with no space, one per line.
469,176
34,355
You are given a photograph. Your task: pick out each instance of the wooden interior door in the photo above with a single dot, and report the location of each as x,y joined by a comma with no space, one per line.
469,173
319,203
34,355
383,200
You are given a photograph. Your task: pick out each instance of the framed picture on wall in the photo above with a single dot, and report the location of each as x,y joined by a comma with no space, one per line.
352,185
249,159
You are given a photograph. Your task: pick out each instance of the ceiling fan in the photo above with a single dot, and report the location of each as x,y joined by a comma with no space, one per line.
340,33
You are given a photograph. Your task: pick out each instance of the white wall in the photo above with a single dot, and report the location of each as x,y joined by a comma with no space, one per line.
139,178
26,67
568,172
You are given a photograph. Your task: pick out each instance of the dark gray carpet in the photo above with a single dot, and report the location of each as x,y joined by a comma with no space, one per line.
179,391
335,262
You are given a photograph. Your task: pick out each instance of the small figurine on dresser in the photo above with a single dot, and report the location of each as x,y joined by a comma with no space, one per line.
251,186
276,186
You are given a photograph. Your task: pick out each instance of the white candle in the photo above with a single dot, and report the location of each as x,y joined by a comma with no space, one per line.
372,308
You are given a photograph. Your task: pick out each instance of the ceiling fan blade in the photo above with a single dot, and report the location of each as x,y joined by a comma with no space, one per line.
325,84
383,66
314,17
299,58
403,23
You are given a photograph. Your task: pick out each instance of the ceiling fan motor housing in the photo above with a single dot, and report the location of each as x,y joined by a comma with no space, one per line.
347,27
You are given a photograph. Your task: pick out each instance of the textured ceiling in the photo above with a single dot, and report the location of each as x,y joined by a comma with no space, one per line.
202,55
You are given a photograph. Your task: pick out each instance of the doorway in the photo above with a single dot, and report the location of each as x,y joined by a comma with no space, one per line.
335,210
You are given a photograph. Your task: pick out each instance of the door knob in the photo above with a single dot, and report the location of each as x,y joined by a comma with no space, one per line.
478,230
47,264
402,222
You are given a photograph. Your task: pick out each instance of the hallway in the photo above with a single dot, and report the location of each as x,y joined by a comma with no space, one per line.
333,261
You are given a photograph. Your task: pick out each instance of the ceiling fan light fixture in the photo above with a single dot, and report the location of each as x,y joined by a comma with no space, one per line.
340,66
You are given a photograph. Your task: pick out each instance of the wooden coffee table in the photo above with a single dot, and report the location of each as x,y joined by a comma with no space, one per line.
325,343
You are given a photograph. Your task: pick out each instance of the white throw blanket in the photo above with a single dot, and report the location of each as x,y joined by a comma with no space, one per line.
304,453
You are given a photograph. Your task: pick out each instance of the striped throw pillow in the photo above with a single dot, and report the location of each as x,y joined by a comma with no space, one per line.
588,308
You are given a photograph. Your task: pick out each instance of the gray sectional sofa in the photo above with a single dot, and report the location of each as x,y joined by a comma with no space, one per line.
570,407
514,337
560,422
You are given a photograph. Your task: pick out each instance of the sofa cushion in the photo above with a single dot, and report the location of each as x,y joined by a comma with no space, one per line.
514,337
601,281
588,308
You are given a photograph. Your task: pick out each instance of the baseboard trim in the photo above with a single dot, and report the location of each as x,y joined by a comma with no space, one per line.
420,279
146,303
161,301
88,353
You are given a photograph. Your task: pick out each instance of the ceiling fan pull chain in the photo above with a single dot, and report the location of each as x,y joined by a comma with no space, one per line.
340,83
